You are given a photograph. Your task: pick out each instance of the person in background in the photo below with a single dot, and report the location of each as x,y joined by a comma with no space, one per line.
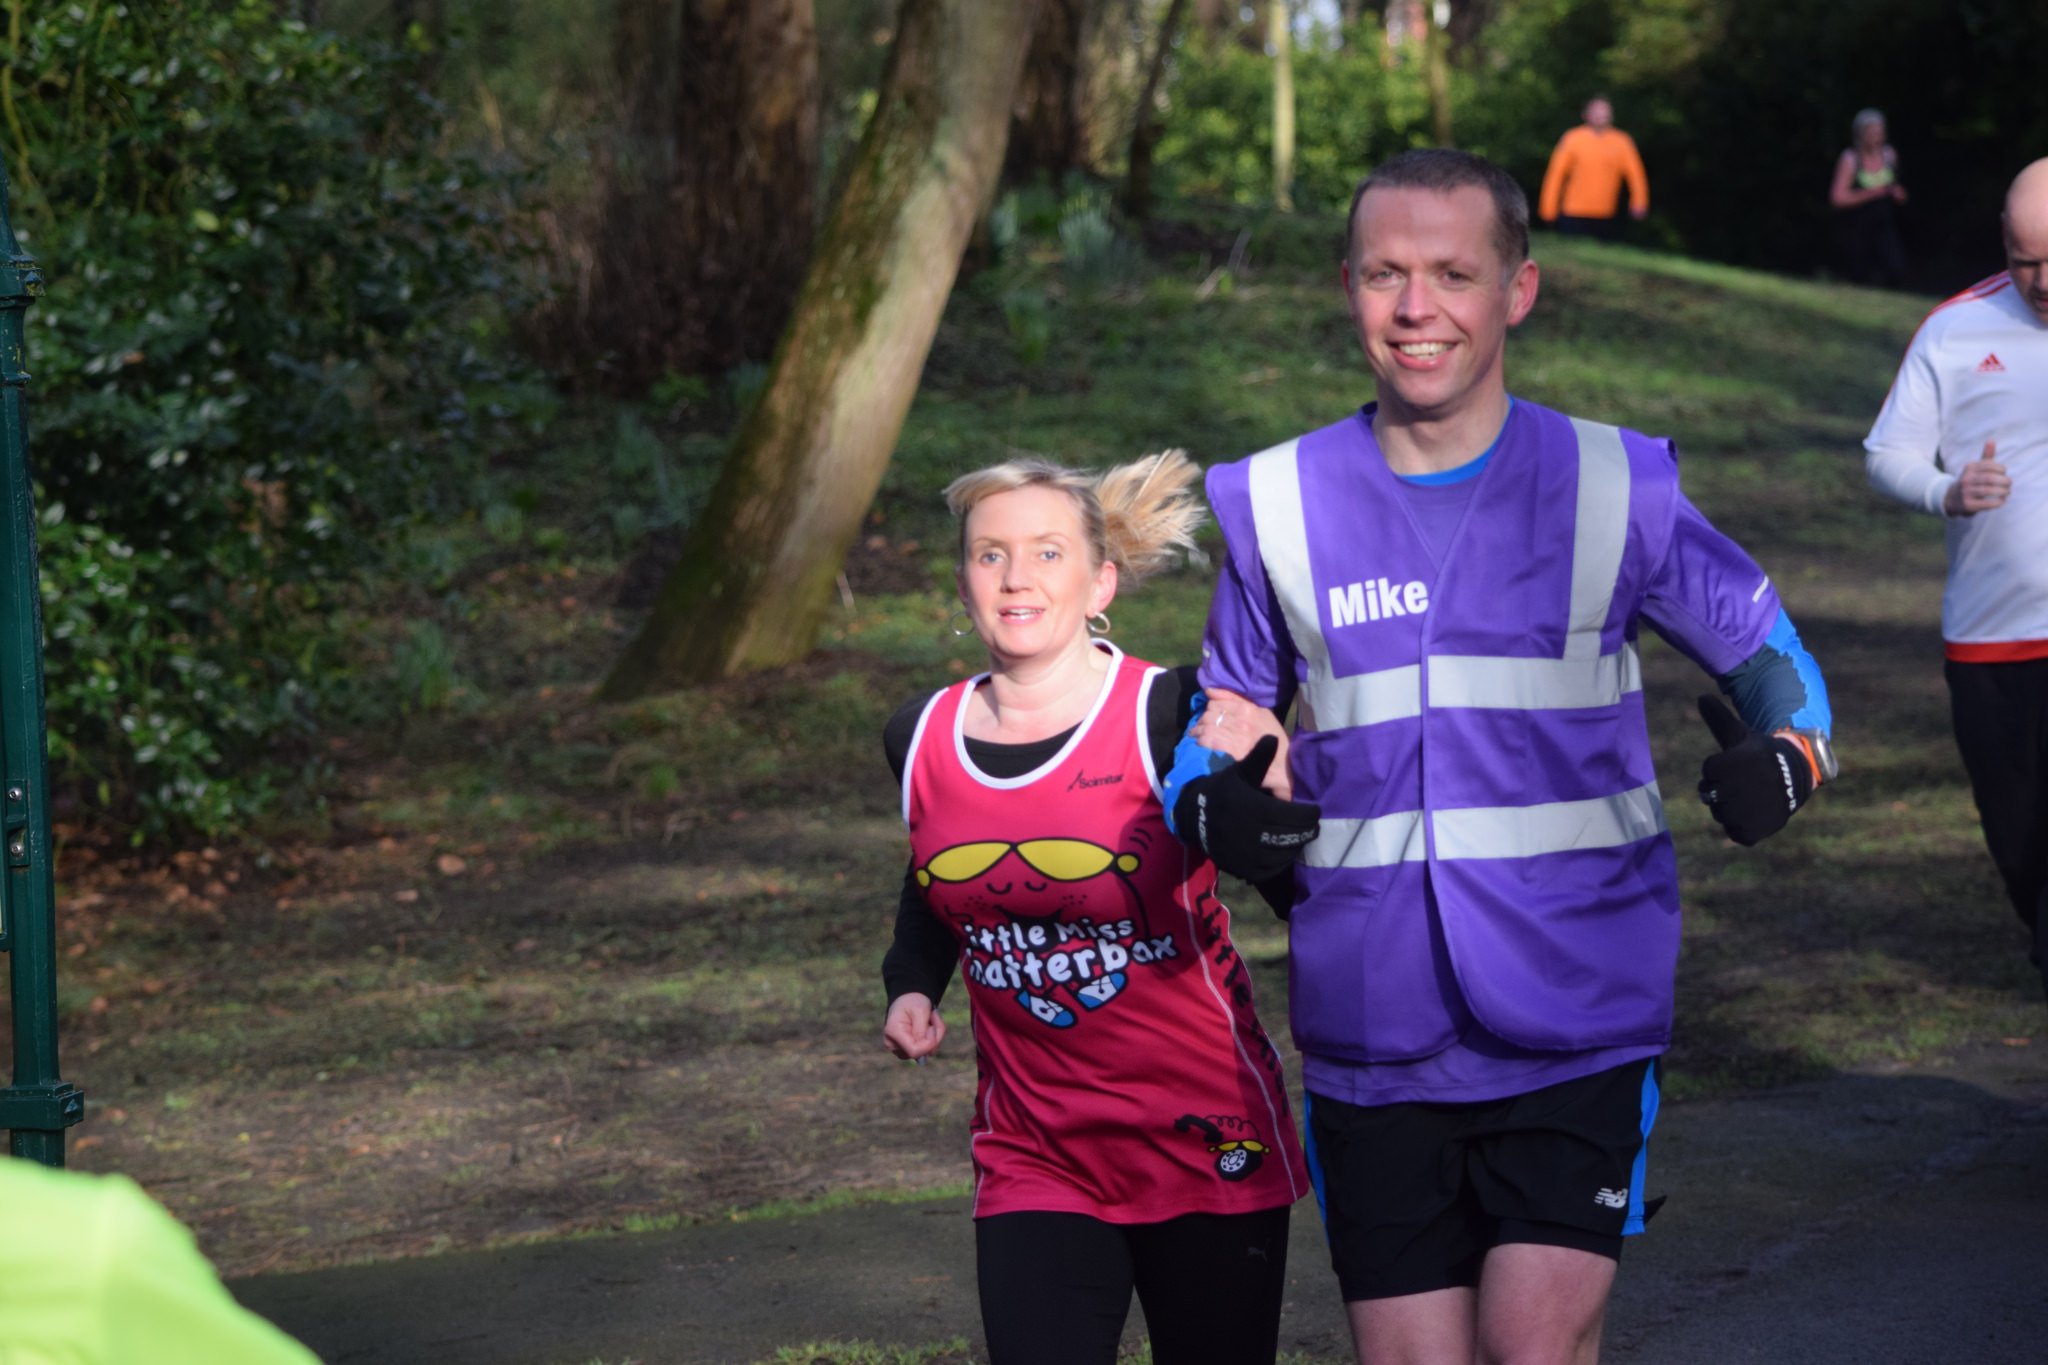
1131,1127
1865,196
94,1272
1588,169
1448,585
1963,435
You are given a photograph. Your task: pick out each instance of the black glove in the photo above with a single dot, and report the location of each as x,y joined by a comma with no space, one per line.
1245,829
1755,783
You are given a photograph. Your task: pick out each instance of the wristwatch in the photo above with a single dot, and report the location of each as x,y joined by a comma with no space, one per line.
1818,750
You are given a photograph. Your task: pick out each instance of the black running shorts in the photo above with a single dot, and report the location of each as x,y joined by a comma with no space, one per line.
1415,1195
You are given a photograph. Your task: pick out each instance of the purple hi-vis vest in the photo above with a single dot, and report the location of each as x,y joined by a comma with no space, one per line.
1473,730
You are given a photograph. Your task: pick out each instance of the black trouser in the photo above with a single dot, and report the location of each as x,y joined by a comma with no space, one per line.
1599,229
1871,250
1056,1287
2001,718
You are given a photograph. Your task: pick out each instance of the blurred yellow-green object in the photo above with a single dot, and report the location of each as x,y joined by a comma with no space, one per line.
97,1273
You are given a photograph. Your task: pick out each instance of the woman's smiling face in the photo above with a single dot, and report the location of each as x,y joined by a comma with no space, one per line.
1029,579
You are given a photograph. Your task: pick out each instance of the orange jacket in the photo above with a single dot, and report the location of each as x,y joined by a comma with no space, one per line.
1586,171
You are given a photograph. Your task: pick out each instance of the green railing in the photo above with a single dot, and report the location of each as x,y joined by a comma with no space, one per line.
38,1107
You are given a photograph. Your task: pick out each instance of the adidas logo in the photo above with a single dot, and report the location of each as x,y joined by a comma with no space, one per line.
1990,364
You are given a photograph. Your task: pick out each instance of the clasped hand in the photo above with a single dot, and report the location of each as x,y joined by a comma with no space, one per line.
1757,780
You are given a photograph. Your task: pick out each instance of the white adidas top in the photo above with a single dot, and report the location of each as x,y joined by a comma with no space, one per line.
1977,370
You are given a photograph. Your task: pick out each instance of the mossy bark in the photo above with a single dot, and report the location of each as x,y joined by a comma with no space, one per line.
758,568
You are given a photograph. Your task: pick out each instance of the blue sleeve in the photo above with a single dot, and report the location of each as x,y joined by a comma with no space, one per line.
1779,687
1190,761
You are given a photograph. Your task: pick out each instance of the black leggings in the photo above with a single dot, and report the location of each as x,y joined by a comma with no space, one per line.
1056,1287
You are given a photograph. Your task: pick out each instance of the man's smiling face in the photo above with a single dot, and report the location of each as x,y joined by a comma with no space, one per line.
1432,298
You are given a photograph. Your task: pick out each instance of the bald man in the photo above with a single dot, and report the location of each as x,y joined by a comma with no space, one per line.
1964,435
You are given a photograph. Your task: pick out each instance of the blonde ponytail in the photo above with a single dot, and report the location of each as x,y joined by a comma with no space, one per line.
1135,516
1148,512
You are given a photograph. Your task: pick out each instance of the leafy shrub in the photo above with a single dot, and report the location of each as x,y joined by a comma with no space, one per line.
1054,249
1094,256
425,664
1028,312
1353,109
260,349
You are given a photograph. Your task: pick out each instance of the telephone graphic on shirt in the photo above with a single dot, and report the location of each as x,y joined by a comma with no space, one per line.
1235,1141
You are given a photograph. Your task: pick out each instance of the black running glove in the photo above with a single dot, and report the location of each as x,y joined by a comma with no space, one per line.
1755,783
1245,829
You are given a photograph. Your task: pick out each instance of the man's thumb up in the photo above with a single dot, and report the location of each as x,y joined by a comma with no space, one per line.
1980,485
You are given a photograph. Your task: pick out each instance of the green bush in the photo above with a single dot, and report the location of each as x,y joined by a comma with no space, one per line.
1353,109
263,344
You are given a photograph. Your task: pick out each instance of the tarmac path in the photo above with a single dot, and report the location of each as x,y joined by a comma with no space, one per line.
1894,1219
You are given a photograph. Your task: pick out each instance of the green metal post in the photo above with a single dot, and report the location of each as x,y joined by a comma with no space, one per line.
38,1107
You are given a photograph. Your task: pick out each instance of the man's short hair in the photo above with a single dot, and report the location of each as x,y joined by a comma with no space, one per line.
1443,169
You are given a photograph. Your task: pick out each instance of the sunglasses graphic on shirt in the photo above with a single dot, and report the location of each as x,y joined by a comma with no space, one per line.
1062,860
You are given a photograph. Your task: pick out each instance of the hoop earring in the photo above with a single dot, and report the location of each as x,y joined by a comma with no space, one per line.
958,631
1102,629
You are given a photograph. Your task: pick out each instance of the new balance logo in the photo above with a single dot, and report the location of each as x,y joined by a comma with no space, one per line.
1990,365
1612,1199
1376,600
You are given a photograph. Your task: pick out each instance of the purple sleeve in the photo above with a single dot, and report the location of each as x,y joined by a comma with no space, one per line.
1707,596
1245,646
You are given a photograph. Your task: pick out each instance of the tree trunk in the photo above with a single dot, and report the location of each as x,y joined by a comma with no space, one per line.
1469,21
758,569
645,47
1145,122
746,140
708,220
1280,36
1436,58
1048,131
432,17
1221,20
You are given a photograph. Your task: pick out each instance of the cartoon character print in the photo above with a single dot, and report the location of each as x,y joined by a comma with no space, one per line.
1039,921
1235,1141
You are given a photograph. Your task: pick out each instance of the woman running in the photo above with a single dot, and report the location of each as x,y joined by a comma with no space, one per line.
1131,1128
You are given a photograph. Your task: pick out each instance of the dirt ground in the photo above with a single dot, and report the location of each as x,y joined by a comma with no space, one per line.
542,969
523,985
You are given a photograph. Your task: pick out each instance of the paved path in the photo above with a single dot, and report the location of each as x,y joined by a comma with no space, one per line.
1873,1220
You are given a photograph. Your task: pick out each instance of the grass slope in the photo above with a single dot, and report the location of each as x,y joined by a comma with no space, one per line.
546,969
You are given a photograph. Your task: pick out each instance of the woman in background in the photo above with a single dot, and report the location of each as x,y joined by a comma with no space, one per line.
1131,1128
1865,196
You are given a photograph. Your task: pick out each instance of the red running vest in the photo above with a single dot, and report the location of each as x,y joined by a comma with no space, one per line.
1123,1071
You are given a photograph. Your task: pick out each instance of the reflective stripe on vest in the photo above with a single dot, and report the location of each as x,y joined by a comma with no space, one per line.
1598,535
1583,677
1472,680
1492,831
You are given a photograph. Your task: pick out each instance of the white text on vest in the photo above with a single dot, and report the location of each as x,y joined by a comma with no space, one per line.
1378,599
